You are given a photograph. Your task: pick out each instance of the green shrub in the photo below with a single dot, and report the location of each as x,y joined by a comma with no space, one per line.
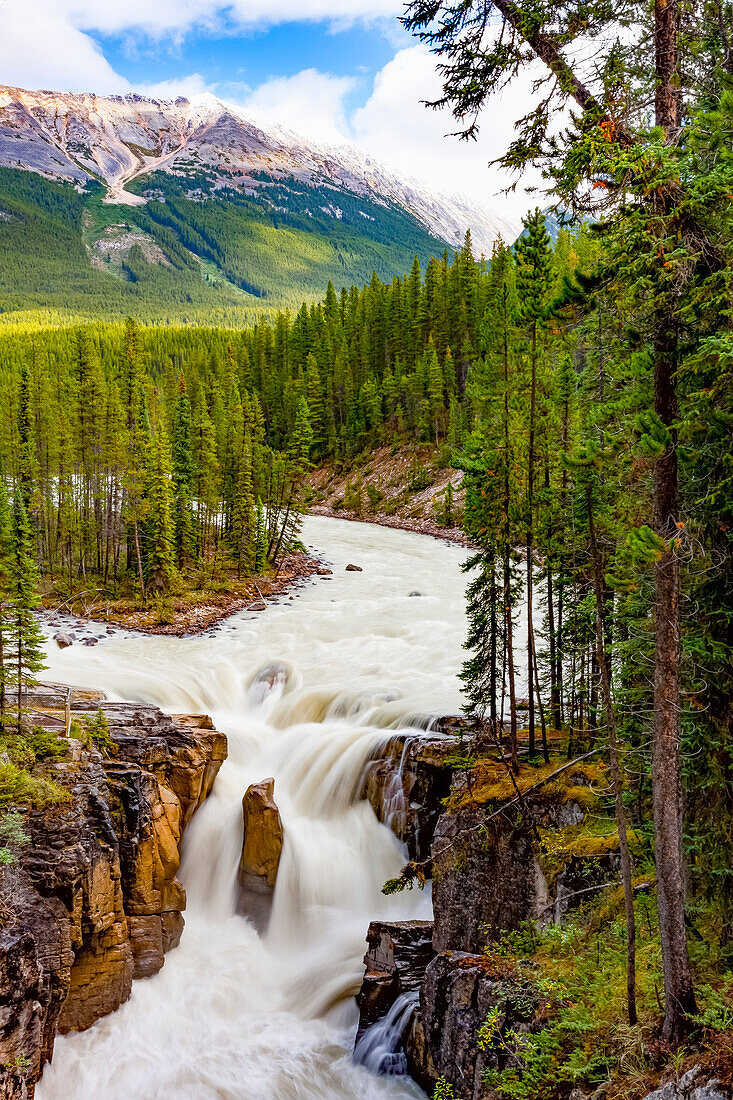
353,498
19,787
45,743
419,476
24,749
97,734
374,497
12,835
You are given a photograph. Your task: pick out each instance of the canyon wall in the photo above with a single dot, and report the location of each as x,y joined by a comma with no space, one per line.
93,900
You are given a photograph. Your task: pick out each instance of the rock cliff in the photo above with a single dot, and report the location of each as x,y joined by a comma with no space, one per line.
93,900
501,853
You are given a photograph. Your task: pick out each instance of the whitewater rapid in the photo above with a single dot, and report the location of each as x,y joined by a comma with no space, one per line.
232,1015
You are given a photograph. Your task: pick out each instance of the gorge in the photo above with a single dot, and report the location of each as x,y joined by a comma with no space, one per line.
233,1014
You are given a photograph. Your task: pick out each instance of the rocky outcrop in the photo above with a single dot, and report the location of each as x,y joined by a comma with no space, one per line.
498,859
468,1020
487,878
93,900
262,845
692,1086
406,783
398,953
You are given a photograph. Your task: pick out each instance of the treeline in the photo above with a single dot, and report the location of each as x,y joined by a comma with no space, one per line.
125,477
624,569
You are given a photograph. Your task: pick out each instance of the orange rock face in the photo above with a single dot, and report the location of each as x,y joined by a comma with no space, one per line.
94,900
262,845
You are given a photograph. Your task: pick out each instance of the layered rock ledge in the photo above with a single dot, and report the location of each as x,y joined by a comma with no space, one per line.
93,900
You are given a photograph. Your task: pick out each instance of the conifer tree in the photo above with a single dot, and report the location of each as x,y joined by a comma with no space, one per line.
185,538
160,556
533,259
6,576
26,637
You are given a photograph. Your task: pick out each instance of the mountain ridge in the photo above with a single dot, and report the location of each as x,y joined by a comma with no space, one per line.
81,137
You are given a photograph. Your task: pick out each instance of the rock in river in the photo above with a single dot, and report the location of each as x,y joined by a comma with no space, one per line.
262,846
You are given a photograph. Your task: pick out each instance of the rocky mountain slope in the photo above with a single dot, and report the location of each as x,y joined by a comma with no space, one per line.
118,139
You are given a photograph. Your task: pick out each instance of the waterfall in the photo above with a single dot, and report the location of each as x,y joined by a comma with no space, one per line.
305,693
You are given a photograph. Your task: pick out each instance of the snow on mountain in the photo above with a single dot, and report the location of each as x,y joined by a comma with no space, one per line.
114,139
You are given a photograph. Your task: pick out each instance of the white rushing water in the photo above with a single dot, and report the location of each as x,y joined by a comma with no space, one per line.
235,1016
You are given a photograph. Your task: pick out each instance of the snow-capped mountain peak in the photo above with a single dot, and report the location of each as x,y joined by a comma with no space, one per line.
115,139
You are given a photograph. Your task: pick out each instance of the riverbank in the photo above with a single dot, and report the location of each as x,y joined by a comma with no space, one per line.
404,489
454,535
193,611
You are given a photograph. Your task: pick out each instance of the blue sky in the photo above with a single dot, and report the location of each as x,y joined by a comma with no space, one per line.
336,73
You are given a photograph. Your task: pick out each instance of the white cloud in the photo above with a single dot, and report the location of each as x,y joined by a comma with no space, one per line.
41,48
171,16
396,127
310,103
188,86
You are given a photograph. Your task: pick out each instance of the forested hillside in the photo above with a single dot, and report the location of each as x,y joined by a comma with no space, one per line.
226,260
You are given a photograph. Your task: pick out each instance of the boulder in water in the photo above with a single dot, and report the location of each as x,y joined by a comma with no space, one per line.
63,640
354,568
415,593
262,845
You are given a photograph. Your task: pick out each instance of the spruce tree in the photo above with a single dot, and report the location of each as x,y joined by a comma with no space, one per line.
534,268
26,636
185,536
160,556
6,576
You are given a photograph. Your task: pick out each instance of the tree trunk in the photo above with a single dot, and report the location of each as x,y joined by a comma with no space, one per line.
530,541
666,763
613,755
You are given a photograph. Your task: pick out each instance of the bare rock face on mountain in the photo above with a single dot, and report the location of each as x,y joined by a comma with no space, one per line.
262,845
94,900
80,137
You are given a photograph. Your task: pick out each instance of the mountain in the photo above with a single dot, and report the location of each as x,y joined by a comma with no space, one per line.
192,204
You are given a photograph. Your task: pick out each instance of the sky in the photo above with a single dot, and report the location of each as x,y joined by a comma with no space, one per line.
334,71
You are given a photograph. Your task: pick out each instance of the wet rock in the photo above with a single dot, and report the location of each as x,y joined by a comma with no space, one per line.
266,679
691,1086
415,593
354,568
24,1001
63,640
457,995
406,783
397,955
262,844
91,641
487,879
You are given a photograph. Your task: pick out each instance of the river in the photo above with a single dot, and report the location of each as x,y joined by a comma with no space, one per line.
232,1015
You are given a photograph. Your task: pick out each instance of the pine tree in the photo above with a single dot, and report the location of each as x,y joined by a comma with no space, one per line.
26,636
160,556
244,519
6,576
184,521
534,266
